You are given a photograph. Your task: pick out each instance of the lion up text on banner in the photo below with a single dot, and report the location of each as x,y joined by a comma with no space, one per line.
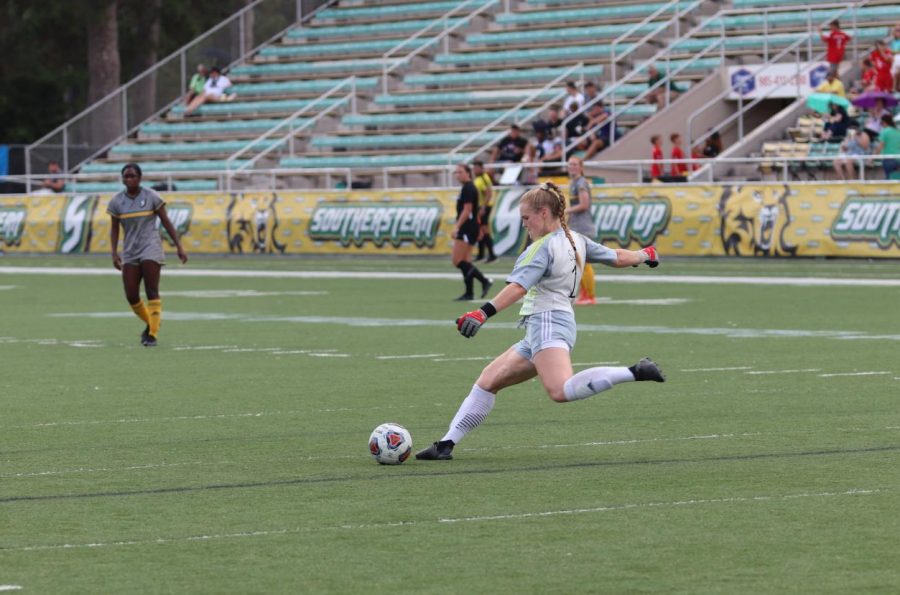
855,220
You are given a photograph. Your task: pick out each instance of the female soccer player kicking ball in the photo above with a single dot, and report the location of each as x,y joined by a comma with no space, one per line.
136,210
547,275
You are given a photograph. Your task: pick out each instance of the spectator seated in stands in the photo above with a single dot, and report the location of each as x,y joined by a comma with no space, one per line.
214,90
590,92
552,119
657,96
51,183
889,144
836,126
713,147
855,145
195,87
511,147
547,148
572,104
874,115
602,137
867,79
832,84
882,60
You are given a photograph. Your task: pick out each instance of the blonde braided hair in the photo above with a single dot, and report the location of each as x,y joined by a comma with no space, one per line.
550,196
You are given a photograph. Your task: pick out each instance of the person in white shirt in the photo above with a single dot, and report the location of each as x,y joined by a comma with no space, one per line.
215,90
547,276
574,100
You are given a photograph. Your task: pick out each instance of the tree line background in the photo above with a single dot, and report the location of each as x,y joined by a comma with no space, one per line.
60,56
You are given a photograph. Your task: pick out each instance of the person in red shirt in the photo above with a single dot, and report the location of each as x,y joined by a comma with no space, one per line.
882,58
837,41
656,169
678,169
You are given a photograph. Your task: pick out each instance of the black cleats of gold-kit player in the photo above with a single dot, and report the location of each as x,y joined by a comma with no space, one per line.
150,341
647,369
145,334
438,451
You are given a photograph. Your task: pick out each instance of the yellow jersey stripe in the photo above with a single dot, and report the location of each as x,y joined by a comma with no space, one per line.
136,214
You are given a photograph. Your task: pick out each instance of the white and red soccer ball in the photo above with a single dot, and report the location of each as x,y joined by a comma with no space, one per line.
390,444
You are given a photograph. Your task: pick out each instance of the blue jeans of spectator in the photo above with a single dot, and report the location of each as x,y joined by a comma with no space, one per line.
890,166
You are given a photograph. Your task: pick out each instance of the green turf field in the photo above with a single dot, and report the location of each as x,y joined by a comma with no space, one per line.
233,457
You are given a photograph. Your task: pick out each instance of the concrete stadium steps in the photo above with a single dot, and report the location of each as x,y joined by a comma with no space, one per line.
373,162
268,108
383,12
184,169
291,71
529,38
189,150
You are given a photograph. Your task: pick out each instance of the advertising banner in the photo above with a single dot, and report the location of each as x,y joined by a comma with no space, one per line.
854,220
775,80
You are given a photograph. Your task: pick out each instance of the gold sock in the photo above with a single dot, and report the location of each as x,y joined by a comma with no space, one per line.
588,283
141,311
154,307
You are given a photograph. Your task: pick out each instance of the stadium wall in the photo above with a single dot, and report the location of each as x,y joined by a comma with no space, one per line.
835,220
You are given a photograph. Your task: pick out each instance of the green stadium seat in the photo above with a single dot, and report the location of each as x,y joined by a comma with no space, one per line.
800,17
394,11
532,75
390,141
372,161
558,34
557,54
286,106
195,148
250,127
370,29
180,185
511,97
478,117
341,48
580,14
164,166
317,86
345,67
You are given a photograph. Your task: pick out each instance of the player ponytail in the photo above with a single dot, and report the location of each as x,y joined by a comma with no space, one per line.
550,196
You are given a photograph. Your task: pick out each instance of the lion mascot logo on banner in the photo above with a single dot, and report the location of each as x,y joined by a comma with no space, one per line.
754,221
252,223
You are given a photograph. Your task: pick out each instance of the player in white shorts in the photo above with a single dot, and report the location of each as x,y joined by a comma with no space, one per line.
547,275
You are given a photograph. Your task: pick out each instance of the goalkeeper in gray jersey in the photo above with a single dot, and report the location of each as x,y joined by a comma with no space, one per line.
547,275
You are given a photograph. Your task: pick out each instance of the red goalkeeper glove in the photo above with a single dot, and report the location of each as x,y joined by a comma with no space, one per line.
651,258
469,323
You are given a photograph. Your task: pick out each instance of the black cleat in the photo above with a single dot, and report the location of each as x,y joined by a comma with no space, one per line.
466,297
145,335
647,369
150,341
438,451
490,259
486,286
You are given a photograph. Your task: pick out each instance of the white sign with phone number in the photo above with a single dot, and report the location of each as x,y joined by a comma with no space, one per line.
776,80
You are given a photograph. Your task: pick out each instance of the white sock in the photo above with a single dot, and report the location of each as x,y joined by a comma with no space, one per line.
471,413
588,383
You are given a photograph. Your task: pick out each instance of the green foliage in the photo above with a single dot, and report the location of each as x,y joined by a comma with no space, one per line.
233,458
44,70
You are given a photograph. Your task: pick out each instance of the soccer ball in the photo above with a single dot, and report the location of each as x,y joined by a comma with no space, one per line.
390,444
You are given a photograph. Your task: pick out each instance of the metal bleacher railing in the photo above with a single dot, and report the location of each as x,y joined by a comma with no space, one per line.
796,48
154,91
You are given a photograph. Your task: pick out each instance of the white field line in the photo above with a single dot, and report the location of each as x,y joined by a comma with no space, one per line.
783,371
731,369
110,469
411,356
476,358
591,364
359,321
693,502
10,587
7,287
615,278
853,374
237,293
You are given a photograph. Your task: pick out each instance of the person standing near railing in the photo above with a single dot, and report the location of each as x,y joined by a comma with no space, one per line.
656,168
889,144
679,168
465,234
836,42
581,220
485,187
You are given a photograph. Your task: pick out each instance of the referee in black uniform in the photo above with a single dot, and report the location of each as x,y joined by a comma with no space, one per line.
465,233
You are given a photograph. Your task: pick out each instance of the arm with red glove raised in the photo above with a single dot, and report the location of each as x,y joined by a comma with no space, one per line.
469,323
632,258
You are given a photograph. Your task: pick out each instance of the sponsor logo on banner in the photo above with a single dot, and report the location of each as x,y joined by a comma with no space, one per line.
75,225
624,220
180,214
358,223
775,80
868,220
252,224
755,220
12,224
